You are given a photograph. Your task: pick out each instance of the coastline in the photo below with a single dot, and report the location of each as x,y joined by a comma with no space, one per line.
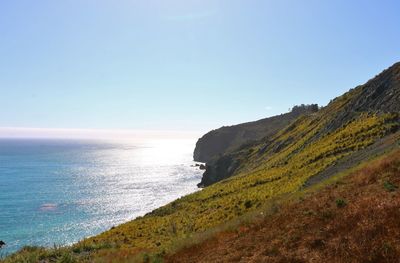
183,180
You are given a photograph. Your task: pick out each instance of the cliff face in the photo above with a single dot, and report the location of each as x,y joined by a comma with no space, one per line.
381,93
373,104
228,139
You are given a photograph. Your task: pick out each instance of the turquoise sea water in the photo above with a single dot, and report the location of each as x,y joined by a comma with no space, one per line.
60,191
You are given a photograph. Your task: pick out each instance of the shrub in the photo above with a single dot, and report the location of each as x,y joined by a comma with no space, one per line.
66,258
248,204
340,203
146,258
390,187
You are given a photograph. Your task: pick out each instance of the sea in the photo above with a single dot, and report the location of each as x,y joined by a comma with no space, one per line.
57,192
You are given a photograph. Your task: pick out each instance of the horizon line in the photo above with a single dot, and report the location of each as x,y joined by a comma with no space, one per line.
9,132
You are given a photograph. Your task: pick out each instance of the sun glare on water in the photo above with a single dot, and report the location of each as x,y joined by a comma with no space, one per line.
83,187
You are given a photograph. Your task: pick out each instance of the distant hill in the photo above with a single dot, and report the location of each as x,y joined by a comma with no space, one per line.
229,138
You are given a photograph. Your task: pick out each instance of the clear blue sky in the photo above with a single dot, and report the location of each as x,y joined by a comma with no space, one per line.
184,64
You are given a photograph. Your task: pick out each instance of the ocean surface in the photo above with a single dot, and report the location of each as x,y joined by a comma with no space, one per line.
61,191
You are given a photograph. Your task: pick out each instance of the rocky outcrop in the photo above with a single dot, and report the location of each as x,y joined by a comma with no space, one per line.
228,139
222,168
381,93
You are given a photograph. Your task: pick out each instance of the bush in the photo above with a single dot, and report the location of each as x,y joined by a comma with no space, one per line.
248,204
66,258
146,258
341,203
390,187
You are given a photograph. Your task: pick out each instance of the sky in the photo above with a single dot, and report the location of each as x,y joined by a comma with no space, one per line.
183,65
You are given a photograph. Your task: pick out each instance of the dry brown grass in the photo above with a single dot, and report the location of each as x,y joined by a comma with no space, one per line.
356,219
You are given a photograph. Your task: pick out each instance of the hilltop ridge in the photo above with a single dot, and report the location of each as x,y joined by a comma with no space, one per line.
377,98
380,93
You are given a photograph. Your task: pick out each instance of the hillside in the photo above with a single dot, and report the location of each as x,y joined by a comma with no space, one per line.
353,128
355,219
372,105
229,138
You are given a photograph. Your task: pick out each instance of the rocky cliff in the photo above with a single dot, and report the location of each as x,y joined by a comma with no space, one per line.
228,139
378,98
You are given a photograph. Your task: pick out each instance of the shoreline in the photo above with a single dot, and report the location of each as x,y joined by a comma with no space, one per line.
186,171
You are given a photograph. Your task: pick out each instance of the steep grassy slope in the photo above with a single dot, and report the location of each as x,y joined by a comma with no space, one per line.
355,219
363,119
227,139
345,124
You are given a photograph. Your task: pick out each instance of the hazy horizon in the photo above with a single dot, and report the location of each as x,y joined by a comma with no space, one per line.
96,134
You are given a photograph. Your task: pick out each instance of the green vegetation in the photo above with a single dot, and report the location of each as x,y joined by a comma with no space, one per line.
341,203
30,254
309,225
390,187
